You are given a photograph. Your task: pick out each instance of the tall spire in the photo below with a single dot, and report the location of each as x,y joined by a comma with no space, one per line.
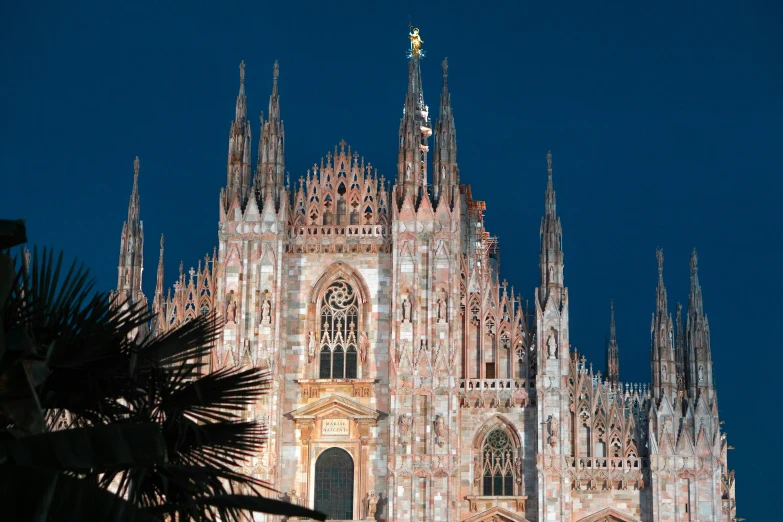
159,299
237,188
269,177
699,352
131,262
445,171
551,255
663,363
415,127
612,351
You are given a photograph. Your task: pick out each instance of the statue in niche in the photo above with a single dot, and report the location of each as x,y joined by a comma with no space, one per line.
267,311
551,274
518,469
701,373
310,347
408,173
441,305
294,498
372,505
663,373
364,346
552,437
440,429
443,173
551,346
406,311
231,309
406,421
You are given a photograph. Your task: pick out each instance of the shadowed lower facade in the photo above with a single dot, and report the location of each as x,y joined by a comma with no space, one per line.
409,381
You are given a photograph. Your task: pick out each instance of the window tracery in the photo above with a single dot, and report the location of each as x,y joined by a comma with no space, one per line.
339,319
501,464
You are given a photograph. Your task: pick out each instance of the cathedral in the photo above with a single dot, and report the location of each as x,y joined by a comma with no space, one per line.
409,381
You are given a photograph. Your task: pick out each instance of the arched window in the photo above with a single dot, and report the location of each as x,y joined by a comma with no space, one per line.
339,323
499,464
334,484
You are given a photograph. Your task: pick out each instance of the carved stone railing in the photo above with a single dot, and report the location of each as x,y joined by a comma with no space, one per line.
340,230
476,501
609,463
494,393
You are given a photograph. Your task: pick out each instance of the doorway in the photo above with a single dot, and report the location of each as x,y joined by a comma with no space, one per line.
334,484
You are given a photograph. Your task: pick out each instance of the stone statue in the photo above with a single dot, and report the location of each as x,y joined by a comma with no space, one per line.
231,311
441,307
406,311
406,421
701,373
552,437
478,470
372,505
267,311
294,498
663,373
311,347
551,345
364,346
518,469
440,429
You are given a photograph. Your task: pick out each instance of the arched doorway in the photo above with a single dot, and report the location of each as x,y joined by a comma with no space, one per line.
334,484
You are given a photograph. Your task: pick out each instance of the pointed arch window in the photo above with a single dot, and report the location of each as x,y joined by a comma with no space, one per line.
499,469
339,323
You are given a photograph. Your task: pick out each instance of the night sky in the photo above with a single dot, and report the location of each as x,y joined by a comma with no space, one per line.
664,121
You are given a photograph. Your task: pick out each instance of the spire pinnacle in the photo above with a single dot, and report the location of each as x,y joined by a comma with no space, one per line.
612,351
549,163
612,328
445,66
694,263
275,76
242,73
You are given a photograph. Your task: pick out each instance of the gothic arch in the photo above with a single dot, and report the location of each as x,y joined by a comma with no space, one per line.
494,422
609,515
334,271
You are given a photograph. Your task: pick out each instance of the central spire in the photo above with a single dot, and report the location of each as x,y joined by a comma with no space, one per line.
551,255
271,148
415,128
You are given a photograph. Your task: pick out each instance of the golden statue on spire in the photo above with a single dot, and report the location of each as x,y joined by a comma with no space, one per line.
416,41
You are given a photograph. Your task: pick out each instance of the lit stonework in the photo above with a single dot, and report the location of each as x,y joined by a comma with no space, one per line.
409,381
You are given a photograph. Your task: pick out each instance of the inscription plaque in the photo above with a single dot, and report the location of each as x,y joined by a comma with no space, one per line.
331,427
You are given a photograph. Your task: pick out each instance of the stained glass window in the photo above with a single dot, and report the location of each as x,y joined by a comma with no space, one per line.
499,471
339,323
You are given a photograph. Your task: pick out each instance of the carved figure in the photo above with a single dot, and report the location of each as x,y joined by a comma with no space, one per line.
440,429
441,307
518,469
552,437
310,347
231,312
663,373
372,505
416,41
551,346
406,311
364,346
294,498
701,373
406,421
478,470
267,311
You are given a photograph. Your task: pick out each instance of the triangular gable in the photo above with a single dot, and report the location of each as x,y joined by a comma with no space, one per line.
497,513
684,443
425,212
702,445
335,403
609,514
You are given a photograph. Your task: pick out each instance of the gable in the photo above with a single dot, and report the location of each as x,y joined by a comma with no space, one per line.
335,405
497,514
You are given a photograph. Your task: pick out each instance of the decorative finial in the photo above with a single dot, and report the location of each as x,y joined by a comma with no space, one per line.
416,41
445,65
694,262
659,255
275,73
549,162
136,166
242,72
161,243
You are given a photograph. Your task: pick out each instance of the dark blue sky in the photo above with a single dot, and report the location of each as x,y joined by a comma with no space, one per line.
664,121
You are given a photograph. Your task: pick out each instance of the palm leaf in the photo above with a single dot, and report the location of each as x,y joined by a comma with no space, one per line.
35,494
97,448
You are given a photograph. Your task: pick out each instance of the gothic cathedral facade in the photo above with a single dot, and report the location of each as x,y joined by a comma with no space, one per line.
409,382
